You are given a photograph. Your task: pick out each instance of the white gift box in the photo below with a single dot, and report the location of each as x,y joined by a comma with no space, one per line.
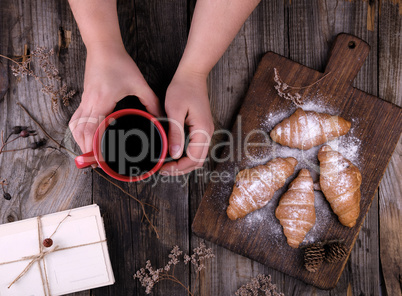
78,259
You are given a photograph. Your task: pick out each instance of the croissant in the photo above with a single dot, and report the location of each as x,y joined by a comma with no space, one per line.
306,129
296,211
340,182
255,187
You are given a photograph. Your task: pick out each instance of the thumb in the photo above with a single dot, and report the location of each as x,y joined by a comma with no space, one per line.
176,132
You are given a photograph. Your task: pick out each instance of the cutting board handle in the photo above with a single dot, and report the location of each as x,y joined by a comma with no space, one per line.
346,58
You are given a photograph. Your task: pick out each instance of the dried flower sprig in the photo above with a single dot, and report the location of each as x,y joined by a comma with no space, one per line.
260,285
50,82
149,276
198,257
289,92
60,146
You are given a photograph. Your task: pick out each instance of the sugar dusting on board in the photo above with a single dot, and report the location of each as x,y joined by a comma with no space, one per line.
264,220
348,145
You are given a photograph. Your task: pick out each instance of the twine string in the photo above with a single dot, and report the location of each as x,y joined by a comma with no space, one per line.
41,255
40,240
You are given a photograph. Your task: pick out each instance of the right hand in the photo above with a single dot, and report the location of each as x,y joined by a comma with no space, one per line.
187,103
110,75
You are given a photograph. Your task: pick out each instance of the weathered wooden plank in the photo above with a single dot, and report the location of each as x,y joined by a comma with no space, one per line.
162,35
390,203
378,122
38,24
41,181
307,46
228,82
154,33
312,27
30,166
161,38
328,19
121,214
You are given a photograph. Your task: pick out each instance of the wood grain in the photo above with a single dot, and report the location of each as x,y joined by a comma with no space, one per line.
155,33
332,18
156,44
256,241
390,203
46,180
4,81
228,84
38,178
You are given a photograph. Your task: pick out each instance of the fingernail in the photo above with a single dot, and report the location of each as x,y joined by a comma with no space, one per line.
164,173
175,151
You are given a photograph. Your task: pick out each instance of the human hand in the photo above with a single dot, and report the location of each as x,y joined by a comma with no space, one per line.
110,75
187,103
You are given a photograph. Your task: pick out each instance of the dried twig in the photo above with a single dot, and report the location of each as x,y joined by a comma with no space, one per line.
14,150
21,132
142,204
44,131
64,219
7,142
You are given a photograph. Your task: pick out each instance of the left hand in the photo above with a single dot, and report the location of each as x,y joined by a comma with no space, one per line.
105,84
187,103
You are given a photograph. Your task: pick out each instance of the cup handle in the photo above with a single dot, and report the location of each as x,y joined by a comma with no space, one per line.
85,160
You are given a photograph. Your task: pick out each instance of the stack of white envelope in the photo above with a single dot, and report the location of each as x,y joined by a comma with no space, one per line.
80,261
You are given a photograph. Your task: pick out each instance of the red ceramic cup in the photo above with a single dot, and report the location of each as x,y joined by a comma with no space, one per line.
96,157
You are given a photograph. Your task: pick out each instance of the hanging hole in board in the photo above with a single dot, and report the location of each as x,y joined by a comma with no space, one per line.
351,44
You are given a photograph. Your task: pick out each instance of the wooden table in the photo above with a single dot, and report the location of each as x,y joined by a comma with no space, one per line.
154,32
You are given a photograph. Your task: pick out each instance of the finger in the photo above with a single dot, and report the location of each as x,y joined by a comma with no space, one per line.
180,167
92,123
74,119
198,146
151,103
76,128
83,129
148,98
176,131
196,153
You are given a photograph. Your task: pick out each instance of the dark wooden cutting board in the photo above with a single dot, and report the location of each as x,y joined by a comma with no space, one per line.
376,128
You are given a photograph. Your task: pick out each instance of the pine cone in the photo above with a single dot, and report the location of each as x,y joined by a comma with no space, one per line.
335,252
313,256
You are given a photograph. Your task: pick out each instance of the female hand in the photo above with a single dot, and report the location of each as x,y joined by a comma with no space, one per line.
187,103
110,75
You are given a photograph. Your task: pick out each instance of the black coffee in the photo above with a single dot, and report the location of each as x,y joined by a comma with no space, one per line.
131,145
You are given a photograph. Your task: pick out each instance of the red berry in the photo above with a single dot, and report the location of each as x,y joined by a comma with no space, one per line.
48,242
24,133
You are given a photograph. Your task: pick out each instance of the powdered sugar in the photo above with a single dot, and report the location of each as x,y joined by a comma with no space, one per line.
348,145
319,106
255,187
265,219
324,217
273,118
